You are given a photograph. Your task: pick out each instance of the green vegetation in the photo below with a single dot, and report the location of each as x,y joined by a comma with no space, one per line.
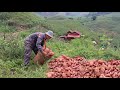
12,41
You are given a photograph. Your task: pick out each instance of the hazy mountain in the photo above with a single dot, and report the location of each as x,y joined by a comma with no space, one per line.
50,14
98,13
72,14
47,14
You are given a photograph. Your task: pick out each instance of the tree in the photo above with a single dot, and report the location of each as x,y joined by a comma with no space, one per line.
94,18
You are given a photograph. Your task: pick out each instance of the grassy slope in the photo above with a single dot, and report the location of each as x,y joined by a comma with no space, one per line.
20,17
12,49
108,24
11,52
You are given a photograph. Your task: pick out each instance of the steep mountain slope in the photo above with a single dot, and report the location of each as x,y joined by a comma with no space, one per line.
108,24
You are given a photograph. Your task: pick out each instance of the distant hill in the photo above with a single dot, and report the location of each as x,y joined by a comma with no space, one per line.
67,14
108,22
98,13
72,14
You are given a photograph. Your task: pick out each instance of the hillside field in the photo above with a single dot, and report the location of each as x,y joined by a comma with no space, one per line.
15,26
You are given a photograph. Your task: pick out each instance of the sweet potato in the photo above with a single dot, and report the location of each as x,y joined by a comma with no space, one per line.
49,74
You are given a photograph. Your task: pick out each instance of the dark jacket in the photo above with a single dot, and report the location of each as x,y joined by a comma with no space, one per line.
36,40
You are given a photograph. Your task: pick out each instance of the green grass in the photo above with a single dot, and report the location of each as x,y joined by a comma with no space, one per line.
32,71
82,47
60,27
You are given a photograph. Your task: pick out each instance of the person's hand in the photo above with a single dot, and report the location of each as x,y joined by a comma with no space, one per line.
44,54
44,48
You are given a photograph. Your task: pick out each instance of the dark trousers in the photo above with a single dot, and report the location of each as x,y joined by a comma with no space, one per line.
28,51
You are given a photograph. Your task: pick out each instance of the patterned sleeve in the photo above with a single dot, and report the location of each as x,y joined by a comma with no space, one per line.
38,44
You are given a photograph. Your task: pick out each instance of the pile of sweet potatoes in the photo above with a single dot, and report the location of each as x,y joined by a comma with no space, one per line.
79,67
